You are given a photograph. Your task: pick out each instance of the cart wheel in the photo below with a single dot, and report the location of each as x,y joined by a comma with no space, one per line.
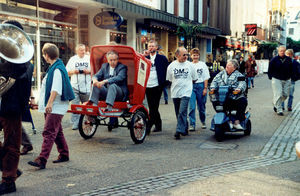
87,129
138,126
247,131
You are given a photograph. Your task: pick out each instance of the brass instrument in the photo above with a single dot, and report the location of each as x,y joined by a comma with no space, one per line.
15,47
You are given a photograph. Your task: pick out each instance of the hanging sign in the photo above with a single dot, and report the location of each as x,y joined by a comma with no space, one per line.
251,29
108,20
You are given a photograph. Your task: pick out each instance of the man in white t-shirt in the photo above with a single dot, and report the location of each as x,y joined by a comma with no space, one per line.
199,90
79,70
181,74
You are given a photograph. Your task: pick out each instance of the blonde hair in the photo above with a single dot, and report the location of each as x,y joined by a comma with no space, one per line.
289,51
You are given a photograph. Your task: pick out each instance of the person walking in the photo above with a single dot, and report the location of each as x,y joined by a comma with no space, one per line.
13,103
280,72
155,85
181,73
79,70
294,78
199,90
55,94
251,72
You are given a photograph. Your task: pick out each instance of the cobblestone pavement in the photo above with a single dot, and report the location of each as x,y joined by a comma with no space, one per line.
279,149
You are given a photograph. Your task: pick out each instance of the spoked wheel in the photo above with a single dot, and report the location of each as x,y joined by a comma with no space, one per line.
219,133
247,131
87,126
137,127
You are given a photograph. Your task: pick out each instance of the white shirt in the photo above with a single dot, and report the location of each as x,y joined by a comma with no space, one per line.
111,71
152,81
181,75
81,82
202,71
59,106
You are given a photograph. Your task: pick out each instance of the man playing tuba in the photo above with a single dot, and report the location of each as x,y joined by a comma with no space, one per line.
15,75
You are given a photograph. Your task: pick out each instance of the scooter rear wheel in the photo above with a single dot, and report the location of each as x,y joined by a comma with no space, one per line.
247,131
219,133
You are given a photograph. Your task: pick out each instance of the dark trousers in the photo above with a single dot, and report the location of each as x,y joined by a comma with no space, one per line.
153,97
53,133
239,105
10,149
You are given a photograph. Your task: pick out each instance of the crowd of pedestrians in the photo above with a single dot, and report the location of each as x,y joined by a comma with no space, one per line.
190,82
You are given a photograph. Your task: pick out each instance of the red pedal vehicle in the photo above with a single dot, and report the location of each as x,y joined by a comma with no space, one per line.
131,113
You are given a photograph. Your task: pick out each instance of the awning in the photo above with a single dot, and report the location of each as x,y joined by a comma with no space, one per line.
147,12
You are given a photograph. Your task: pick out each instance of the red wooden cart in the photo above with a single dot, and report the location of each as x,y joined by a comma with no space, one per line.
131,113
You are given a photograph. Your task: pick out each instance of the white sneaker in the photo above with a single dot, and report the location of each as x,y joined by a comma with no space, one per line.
230,125
74,127
203,126
191,128
238,126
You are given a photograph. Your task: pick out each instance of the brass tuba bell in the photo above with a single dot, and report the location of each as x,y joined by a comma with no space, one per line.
15,45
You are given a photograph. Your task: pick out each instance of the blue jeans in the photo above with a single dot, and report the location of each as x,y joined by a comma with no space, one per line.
165,90
291,95
181,107
250,81
197,95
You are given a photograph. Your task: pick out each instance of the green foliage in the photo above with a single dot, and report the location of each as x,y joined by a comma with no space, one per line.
292,44
190,32
266,49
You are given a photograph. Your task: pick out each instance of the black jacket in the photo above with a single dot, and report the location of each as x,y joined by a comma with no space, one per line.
16,98
280,68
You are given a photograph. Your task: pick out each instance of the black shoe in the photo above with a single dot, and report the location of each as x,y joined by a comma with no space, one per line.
280,114
290,109
184,134
177,135
166,102
19,173
156,130
7,187
38,162
61,158
26,149
275,109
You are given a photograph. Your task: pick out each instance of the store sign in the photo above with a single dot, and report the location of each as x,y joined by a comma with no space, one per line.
108,20
251,29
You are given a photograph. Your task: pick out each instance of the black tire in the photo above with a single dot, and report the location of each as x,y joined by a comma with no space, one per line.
138,126
219,133
87,129
247,131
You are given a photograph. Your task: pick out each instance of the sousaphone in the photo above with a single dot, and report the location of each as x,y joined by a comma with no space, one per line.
16,47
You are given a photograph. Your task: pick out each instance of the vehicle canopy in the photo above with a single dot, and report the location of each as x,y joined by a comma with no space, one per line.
138,68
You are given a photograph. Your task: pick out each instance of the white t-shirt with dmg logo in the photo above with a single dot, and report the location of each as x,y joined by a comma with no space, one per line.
182,76
81,82
202,71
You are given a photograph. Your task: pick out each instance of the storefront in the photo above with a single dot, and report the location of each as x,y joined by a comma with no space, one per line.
43,23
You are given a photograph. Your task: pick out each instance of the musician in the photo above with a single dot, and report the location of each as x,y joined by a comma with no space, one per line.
13,103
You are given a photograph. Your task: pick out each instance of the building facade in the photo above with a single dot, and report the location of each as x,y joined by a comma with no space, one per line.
67,23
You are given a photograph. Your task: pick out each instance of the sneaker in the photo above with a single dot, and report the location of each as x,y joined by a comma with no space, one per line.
290,109
7,187
166,102
203,126
280,114
238,126
191,128
230,125
75,127
275,109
